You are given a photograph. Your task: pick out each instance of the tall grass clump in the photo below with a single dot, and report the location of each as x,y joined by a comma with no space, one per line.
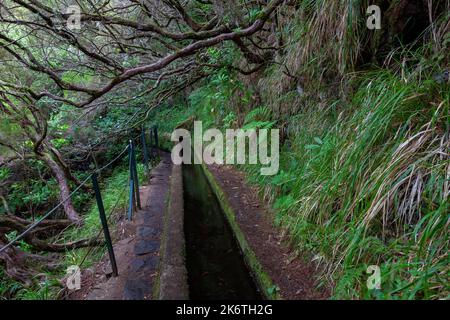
373,190
364,164
365,169
323,42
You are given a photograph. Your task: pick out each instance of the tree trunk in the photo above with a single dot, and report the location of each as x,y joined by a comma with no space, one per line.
62,164
21,266
12,261
64,192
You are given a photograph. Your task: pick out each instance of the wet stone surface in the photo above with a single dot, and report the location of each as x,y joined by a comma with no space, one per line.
146,263
138,249
136,289
146,246
147,232
149,220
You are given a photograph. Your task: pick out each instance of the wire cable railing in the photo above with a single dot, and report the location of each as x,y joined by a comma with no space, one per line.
134,202
109,217
45,216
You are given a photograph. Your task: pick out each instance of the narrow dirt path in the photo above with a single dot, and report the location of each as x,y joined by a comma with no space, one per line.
138,253
294,275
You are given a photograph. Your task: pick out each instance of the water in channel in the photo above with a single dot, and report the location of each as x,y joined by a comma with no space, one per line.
216,269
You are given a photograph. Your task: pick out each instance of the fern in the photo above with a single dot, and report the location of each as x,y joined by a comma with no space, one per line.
258,114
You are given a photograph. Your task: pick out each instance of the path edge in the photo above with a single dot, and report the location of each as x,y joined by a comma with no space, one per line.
173,284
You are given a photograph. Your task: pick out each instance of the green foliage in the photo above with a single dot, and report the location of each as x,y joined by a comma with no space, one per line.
230,120
258,114
33,193
4,173
60,142
7,287
364,165
354,195
115,200
76,77
167,119
254,14
46,285
45,290
361,180
259,118
273,290
21,244
213,101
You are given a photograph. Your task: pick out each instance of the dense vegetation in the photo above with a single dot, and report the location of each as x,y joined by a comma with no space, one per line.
364,119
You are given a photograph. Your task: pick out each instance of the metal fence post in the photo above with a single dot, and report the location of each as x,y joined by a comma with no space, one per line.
101,211
144,148
132,197
131,202
151,144
135,174
156,137
155,131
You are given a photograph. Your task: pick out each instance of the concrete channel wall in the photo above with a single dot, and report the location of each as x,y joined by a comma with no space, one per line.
261,277
173,283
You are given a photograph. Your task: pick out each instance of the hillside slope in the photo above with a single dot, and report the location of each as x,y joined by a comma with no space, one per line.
363,114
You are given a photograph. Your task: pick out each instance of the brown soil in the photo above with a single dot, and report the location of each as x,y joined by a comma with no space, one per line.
294,276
